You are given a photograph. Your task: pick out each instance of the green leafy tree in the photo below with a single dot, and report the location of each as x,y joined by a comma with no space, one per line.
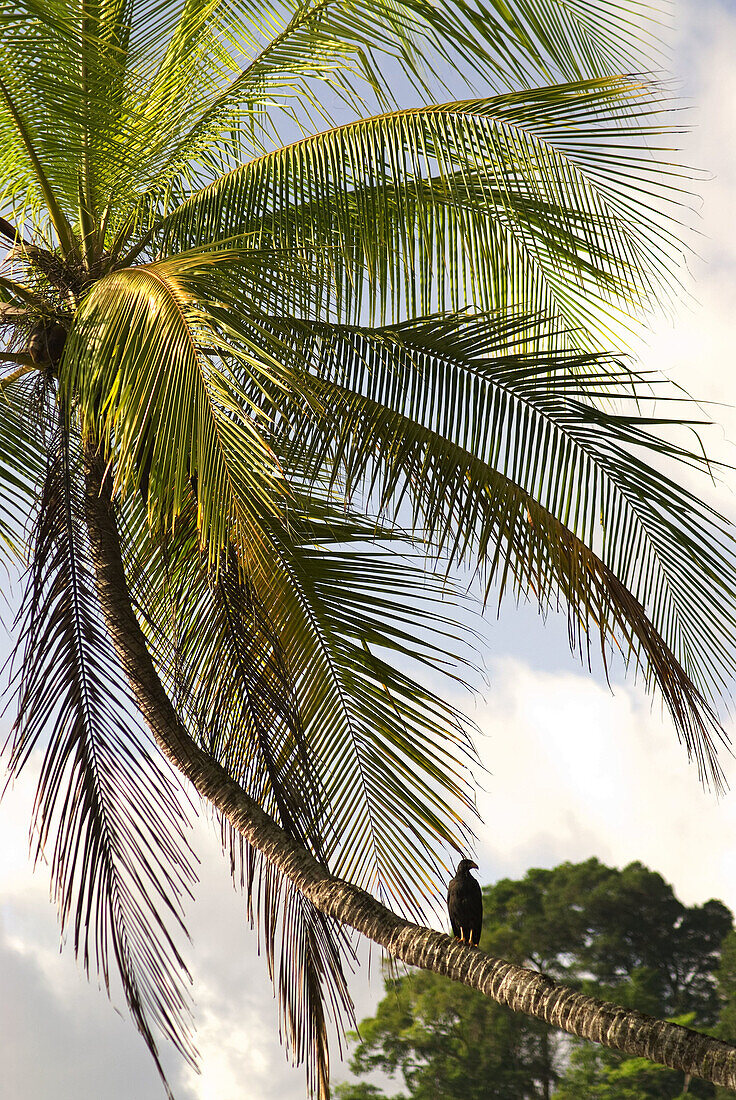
591,1074
263,300
726,975
621,935
448,1042
626,928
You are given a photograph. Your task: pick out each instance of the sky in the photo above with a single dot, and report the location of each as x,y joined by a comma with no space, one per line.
572,769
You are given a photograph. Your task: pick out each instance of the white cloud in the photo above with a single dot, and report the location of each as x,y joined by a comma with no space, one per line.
576,771
60,1038
89,1047
704,52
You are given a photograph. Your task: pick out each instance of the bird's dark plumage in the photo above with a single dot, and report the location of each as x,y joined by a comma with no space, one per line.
465,904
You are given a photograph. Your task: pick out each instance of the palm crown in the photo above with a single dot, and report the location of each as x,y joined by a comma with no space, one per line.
303,335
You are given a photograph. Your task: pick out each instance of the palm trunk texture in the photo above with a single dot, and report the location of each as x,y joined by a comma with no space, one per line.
521,989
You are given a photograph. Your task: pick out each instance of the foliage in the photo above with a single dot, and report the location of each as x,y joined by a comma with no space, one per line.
591,1073
726,975
448,1041
321,330
626,928
617,935
727,987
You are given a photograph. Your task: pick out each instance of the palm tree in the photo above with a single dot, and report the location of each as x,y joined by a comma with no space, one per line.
286,349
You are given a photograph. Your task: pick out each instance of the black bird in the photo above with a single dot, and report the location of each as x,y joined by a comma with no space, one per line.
465,904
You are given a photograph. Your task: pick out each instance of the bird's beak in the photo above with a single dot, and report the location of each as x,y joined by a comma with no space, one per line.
475,865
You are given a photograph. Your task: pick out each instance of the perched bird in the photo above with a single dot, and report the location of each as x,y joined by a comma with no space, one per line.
465,904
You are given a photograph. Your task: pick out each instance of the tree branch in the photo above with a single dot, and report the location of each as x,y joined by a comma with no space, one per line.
23,292
522,990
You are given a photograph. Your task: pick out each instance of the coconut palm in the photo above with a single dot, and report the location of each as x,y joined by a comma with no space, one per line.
287,348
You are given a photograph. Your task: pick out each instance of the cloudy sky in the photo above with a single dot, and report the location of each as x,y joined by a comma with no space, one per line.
572,769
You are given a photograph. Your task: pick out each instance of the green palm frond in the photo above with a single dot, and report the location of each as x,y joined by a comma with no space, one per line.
242,707
335,607
108,807
67,62
142,92
390,750
518,199
225,668
143,358
514,465
293,52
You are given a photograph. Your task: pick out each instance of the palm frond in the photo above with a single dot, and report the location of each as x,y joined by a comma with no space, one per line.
64,69
514,464
22,465
289,55
225,668
280,677
312,948
380,746
144,361
147,96
242,705
393,756
296,53
531,198
108,813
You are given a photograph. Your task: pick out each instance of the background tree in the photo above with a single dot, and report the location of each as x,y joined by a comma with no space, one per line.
726,975
235,366
619,935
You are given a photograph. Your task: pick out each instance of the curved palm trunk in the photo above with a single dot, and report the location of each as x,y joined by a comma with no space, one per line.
521,989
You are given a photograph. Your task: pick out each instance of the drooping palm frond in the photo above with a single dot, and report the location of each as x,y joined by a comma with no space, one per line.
390,750
230,678
223,663
21,459
283,687
376,746
107,806
309,977
243,707
291,55
144,361
518,200
506,459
